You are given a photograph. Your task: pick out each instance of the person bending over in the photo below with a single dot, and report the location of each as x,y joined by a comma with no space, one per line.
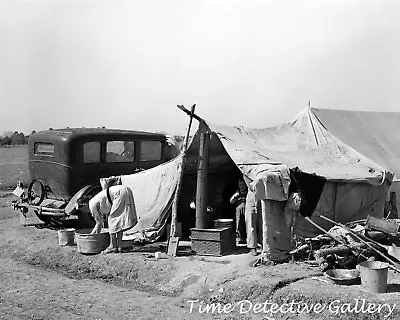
117,205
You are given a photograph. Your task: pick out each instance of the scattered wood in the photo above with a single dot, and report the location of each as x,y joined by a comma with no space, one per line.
346,245
394,265
376,235
388,226
323,230
339,249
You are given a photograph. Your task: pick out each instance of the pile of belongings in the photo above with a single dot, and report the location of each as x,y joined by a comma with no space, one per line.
344,246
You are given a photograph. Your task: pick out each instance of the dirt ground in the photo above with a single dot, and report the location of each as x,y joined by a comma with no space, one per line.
41,280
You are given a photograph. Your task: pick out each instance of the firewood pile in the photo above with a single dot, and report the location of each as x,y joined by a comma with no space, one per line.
344,246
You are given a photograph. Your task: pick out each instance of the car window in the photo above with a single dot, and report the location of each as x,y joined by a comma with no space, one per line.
91,152
150,150
120,151
44,149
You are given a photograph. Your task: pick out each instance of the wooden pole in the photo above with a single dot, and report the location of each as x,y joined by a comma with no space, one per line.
323,230
173,240
189,113
202,175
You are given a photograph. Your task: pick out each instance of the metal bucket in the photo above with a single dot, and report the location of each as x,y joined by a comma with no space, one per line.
374,276
223,223
91,243
66,237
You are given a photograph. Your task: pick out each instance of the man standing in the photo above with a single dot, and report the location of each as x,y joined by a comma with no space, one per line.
253,222
239,200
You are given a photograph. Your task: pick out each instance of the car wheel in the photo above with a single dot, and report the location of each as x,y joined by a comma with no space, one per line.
36,192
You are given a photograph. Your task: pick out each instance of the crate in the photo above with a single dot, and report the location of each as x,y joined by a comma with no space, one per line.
210,234
212,242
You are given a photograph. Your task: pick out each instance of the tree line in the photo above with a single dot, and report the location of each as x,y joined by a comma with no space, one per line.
14,138
18,138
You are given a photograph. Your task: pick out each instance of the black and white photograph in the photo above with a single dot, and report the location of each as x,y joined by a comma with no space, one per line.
199,159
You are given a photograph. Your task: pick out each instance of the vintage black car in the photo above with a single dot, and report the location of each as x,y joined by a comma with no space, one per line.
65,165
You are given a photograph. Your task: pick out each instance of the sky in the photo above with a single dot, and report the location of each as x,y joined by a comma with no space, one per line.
127,64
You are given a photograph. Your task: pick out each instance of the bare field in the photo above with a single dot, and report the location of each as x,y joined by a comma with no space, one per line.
34,263
13,166
141,287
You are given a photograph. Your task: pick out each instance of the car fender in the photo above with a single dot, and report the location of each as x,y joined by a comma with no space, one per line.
87,191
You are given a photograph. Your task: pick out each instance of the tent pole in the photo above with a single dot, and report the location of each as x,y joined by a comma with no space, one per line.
189,113
173,241
202,173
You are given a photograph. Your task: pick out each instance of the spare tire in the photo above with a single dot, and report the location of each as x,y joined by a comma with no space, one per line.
36,192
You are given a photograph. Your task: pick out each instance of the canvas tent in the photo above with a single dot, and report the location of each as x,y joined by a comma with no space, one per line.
374,134
354,187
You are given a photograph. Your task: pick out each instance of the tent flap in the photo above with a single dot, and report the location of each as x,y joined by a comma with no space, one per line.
303,143
153,190
267,157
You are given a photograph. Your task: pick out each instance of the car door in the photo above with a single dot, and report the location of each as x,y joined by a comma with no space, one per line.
93,167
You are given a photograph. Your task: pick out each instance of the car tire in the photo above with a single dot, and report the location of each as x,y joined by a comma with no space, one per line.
36,192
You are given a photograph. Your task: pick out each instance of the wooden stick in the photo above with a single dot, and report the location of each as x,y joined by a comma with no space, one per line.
171,250
324,231
180,172
394,264
189,113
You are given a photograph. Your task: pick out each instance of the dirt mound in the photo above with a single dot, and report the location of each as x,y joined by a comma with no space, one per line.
211,282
